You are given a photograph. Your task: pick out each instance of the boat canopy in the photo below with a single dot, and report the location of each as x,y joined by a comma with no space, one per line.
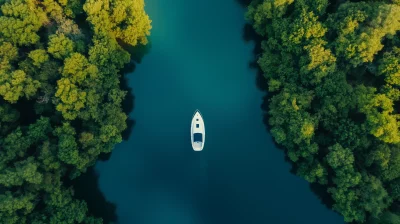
197,137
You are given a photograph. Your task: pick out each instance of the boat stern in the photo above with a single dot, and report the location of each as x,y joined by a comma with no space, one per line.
197,146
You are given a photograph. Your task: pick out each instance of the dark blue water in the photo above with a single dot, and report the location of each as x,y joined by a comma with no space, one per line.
199,60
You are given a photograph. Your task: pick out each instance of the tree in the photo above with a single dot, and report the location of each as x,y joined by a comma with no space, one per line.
38,132
10,203
392,170
312,171
339,157
126,20
20,21
302,31
14,144
380,120
79,76
8,53
60,46
260,11
107,55
357,42
17,84
60,101
389,67
394,189
39,57
68,148
333,80
74,212
388,218
23,171
346,202
8,116
374,197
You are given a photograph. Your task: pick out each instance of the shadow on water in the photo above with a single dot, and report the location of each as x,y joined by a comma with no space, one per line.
322,194
127,106
244,3
249,35
137,53
87,188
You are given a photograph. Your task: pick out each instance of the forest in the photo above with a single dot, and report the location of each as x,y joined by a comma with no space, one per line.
60,99
333,74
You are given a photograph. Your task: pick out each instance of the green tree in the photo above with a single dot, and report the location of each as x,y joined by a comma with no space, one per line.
17,84
333,80
380,118
60,100
39,57
389,67
67,146
78,77
126,20
21,20
60,46
339,157
374,197
361,26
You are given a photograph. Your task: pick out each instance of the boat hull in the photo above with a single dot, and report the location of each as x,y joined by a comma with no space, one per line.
197,131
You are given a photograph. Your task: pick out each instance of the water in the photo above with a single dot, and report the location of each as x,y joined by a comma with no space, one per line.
199,60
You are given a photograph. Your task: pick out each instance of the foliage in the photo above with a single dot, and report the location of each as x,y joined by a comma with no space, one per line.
60,100
333,71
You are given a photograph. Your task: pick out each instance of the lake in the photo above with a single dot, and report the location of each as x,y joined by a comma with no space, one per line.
198,58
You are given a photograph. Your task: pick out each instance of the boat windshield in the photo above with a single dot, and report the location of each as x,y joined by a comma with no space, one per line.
197,137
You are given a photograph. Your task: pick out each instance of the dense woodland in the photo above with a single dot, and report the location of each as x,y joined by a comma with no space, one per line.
60,99
333,73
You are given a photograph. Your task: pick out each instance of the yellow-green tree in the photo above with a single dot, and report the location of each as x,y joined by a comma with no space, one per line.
332,69
60,100
125,20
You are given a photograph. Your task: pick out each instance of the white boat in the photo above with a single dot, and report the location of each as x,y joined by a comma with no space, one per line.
197,131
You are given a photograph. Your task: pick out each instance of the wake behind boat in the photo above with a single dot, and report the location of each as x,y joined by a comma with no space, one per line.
197,131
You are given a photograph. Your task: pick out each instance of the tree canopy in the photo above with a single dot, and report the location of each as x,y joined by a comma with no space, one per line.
333,74
60,100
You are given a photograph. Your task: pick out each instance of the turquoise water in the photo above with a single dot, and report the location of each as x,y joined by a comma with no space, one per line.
198,59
